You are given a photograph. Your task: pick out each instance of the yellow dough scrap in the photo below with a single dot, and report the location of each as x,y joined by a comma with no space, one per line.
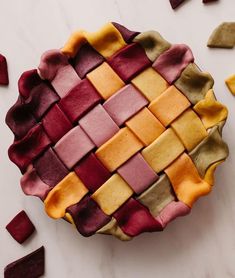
105,80
164,150
106,41
187,183
112,228
76,40
210,110
169,105
67,192
150,83
145,126
118,149
209,176
230,82
190,129
112,194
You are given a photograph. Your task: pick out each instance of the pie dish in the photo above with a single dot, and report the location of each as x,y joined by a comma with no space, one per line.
118,132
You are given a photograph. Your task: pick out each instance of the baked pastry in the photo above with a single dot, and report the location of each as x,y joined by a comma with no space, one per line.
118,132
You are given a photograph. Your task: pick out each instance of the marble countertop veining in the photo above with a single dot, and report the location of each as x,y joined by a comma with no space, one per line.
201,245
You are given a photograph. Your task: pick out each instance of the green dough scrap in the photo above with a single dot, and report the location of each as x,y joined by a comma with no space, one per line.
211,150
194,84
158,195
223,36
153,44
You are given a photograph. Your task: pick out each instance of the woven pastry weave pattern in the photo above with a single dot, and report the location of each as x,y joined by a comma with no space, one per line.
118,132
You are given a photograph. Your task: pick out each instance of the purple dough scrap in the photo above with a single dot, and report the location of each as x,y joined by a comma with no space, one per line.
86,60
30,266
176,3
20,227
127,34
4,79
88,217
50,168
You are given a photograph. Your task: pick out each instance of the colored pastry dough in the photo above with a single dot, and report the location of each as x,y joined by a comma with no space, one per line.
105,80
170,100
223,36
20,227
150,83
118,149
165,149
32,265
194,84
190,129
112,194
187,183
173,61
145,126
66,193
230,82
210,110
4,80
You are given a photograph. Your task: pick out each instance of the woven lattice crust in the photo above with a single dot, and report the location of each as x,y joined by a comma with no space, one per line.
119,132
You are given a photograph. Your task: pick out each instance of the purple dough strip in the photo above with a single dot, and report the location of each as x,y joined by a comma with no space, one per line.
30,266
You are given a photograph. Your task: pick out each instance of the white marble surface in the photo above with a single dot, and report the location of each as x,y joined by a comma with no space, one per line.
201,245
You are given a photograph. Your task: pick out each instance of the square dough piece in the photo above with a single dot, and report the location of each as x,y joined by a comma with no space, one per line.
73,146
124,104
164,150
112,194
137,173
150,83
169,105
190,129
118,149
99,126
105,80
145,126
